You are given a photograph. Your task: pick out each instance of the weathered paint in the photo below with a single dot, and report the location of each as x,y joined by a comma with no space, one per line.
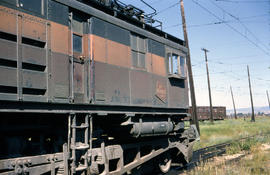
33,55
115,80
33,27
118,54
60,38
178,93
60,75
12,78
8,20
158,65
141,88
99,49
161,91
8,50
42,67
111,84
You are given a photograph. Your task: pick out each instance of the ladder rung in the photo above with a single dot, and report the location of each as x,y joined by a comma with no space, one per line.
81,168
80,146
80,127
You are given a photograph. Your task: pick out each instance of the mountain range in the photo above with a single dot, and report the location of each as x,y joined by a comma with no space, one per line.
264,109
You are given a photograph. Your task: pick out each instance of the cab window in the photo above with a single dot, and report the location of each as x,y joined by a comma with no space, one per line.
176,65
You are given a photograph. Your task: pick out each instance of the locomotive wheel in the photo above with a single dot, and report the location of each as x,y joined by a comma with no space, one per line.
165,162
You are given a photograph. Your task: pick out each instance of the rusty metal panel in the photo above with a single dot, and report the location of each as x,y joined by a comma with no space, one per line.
8,50
8,76
34,27
178,93
12,97
118,54
86,46
8,20
159,65
59,35
33,55
98,27
78,77
34,79
117,34
156,48
141,88
111,84
58,13
79,82
99,48
110,31
148,62
35,98
33,6
77,25
160,92
60,75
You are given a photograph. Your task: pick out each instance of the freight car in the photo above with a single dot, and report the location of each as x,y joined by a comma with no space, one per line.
203,112
90,87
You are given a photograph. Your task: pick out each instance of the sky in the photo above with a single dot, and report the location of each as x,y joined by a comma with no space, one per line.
236,33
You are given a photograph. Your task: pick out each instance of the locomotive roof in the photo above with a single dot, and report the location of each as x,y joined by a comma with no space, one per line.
109,15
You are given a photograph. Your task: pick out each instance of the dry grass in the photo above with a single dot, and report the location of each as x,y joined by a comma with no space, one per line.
257,162
230,129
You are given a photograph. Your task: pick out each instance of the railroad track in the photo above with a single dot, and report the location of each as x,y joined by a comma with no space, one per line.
204,154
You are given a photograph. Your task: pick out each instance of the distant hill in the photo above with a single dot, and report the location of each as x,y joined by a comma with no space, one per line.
264,109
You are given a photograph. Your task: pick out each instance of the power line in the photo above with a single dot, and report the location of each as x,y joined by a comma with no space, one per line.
236,18
156,2
235,30
163,10
218,22
243,1
195,25
211,23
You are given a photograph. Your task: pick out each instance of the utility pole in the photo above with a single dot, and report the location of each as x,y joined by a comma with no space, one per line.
251,99
235,116
190,76
209,87
268,98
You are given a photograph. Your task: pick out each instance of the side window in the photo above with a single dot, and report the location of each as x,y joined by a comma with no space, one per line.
36,6
138,50
77,43
176,65
77,33
183,66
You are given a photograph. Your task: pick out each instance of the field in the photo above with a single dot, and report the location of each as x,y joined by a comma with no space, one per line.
230,129
256,151
255,161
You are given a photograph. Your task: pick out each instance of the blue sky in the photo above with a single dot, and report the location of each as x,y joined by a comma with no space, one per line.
239,37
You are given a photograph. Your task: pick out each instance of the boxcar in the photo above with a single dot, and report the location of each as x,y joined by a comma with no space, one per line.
90,87
203,112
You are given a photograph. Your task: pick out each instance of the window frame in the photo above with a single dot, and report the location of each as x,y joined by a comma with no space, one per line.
180,74
138,51
80,35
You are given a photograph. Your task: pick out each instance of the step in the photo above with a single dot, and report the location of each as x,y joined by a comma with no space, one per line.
80,146
82,126
81,168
